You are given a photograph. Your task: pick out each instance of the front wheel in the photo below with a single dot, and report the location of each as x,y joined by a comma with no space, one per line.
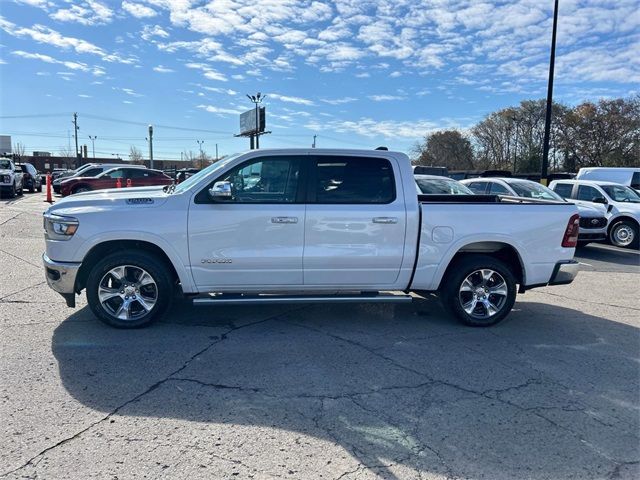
624,234
480,290
129,289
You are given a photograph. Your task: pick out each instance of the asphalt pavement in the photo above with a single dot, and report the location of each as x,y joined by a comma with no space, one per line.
319,392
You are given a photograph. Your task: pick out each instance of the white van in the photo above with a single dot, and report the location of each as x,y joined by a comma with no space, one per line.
629,177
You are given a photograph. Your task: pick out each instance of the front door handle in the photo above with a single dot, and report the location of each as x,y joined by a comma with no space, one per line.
284,219
385,220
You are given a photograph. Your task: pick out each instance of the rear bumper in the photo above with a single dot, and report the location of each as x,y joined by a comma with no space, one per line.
592,237
564,272
61,277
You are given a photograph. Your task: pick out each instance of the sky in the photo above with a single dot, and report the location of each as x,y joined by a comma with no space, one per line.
356,73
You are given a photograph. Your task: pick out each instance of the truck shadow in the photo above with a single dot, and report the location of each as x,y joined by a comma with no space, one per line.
609,255
550,393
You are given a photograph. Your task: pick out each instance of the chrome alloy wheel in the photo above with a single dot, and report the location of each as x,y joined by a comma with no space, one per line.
127,292
483,293
623,235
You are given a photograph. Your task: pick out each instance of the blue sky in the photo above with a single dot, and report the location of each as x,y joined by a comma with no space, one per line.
358,73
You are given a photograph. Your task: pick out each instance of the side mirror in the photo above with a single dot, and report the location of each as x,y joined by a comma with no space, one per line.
220,191
599,200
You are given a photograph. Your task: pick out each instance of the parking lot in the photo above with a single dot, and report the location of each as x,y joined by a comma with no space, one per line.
319,392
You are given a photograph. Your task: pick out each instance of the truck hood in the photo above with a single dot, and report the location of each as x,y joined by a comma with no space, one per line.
6,171
110,199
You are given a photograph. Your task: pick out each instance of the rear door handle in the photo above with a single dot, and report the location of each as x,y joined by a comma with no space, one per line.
284,219
385,220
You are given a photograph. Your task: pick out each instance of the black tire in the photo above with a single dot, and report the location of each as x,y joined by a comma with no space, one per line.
80,189
21,191
132,259
13,192
32,188
469,266
630,229
40,188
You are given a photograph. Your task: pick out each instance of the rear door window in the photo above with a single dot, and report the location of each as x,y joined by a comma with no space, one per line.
352,180
563,189
478,188
497,189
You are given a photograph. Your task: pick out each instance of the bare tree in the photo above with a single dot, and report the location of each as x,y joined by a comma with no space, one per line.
135,155
19,150
69,157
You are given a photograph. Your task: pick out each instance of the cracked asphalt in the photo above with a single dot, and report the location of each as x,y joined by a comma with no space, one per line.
319,392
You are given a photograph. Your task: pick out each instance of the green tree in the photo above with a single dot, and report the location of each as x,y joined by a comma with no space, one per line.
445,148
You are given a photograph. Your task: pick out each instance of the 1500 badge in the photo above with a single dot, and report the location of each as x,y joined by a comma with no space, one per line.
216,260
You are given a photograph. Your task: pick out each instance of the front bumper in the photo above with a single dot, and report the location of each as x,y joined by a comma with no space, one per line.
564,272
61,277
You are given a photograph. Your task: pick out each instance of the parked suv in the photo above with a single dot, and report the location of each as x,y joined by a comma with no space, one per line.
88,170
128,176
11,178
622,204
30,177
593,218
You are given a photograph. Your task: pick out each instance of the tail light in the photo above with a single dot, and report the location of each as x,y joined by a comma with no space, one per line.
570,239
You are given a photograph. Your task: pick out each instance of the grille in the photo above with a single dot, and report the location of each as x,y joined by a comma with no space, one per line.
593,222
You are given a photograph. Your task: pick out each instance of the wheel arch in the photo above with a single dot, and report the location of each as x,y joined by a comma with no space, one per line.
111,246
621,218
502,251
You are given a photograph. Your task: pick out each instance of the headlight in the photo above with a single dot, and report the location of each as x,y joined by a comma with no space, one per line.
59,228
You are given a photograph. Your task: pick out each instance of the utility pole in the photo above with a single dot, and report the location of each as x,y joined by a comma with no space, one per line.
75,135
93,144
313,145
150,146
200,142
216,152
547,120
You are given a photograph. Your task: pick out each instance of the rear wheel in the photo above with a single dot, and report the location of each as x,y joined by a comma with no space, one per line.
624,234
80,189
479,289
129,290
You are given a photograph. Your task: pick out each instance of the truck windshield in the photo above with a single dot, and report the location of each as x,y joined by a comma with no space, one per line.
5,164
620,193
193,180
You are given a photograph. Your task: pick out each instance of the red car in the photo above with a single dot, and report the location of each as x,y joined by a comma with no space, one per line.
128,176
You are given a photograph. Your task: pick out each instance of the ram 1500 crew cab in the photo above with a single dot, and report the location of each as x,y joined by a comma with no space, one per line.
304,226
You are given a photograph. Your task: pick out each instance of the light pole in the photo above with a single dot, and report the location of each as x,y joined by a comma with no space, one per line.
150,146
257,99
200,142
547,120
93,144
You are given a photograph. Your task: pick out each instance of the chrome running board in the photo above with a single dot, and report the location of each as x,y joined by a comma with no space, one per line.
242,299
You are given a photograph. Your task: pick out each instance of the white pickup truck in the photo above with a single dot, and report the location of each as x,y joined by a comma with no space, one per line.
304,226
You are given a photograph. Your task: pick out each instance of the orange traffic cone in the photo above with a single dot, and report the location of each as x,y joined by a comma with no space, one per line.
128,182
49,197
118,183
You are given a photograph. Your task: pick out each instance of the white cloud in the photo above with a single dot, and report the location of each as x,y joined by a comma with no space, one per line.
289,99
138,10
83,95
338,101
219,110
161,69
88,12
46,35
49,59
385,98
371,128
148,32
